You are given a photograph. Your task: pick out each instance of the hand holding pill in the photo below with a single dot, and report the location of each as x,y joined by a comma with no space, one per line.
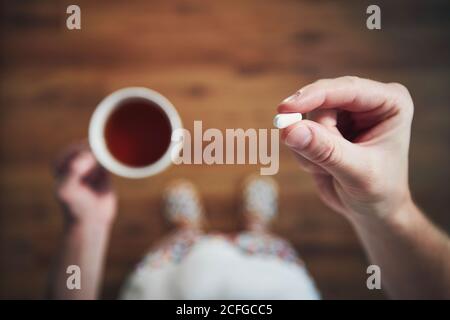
379,118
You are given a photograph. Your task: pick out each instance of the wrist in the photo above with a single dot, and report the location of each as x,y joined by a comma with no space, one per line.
88,225
398,218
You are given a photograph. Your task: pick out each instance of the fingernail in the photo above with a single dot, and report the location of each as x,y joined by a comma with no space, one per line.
288,99
292,97
299,137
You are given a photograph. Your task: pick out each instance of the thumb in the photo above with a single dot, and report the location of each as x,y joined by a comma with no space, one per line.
336,155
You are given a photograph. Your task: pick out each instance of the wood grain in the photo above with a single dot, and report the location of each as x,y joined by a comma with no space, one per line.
227,63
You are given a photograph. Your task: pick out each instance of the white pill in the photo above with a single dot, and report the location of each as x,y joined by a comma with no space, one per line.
284,120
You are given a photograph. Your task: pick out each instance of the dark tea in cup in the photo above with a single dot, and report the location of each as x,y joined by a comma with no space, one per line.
138,133
130,132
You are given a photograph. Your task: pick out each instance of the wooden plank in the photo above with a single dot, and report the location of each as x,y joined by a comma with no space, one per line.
227,63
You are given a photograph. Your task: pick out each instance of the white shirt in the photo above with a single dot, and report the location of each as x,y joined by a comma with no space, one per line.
215,269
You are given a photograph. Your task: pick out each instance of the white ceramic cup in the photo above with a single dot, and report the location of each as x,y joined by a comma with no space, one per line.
97,132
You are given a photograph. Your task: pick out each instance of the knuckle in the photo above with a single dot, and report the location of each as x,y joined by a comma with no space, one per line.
403,95
399,88
321,82
350,79
326,155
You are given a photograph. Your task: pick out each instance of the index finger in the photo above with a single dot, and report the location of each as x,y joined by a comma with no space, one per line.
347,93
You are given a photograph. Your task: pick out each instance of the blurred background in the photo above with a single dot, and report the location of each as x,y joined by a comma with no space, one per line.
227,63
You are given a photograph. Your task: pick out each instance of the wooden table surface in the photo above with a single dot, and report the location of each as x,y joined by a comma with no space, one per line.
227,63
